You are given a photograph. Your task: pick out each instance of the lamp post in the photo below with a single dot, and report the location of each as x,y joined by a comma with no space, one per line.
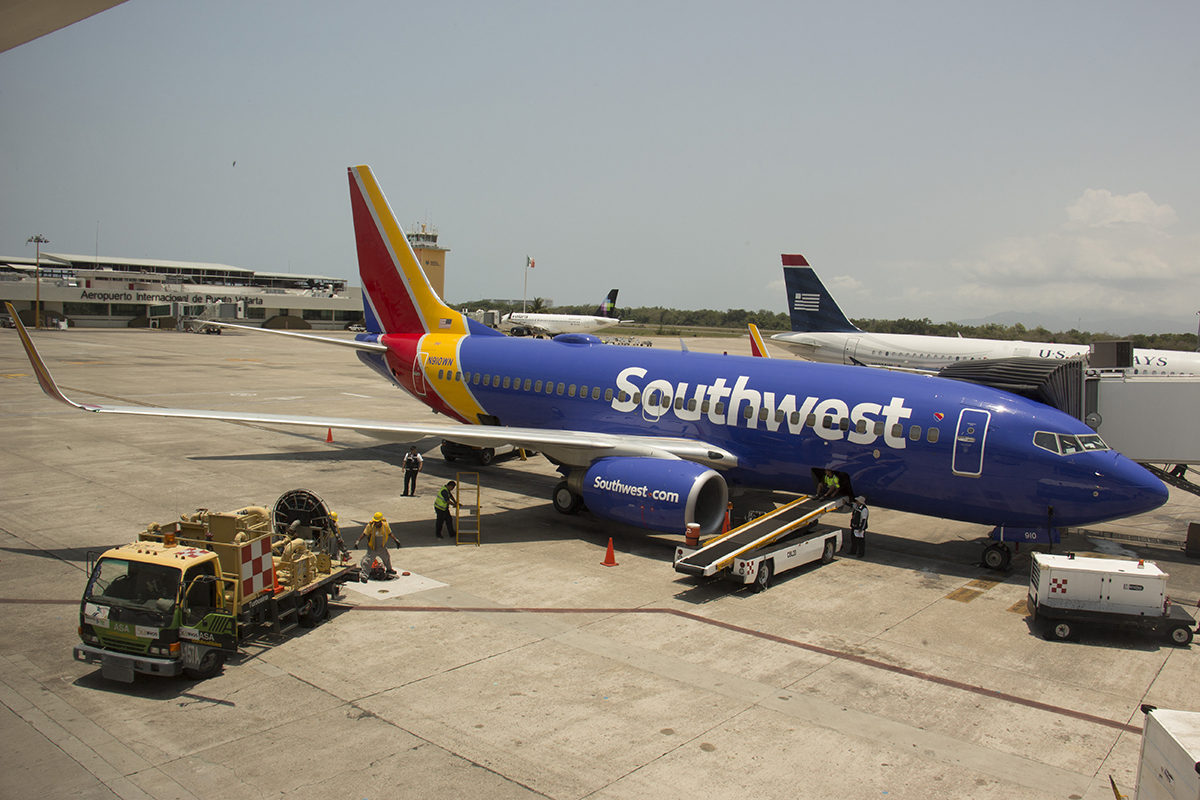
38,241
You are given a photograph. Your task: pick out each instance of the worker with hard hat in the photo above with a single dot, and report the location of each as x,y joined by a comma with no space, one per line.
858,526
378,533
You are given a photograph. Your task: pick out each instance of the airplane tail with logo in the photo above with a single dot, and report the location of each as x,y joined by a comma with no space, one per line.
810,304
609,306
397,297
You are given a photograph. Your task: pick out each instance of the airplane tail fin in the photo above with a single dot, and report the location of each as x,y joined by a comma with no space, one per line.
758,348
397,297
608,307
810,304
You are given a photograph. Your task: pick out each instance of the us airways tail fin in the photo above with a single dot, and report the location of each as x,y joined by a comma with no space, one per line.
609,306
810,304
397,297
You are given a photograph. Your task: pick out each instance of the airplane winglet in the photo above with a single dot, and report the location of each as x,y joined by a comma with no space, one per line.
758,348
45,379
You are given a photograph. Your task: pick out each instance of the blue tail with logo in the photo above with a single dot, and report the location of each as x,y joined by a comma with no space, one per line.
811,306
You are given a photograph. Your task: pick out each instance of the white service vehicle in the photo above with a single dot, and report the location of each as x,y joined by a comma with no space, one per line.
1068,591
815,542
1170,759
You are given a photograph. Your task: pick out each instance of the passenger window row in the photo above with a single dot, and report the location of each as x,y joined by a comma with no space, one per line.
657,398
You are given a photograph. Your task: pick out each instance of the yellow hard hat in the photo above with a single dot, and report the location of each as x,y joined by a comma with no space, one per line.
333,515
378,516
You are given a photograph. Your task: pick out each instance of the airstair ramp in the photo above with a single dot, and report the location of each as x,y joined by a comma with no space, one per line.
720,552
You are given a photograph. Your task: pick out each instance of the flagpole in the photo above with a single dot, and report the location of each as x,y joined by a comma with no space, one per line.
525,291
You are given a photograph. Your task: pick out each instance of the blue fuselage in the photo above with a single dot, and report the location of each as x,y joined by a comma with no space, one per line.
911,443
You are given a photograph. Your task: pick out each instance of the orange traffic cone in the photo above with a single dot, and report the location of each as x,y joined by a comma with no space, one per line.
610,560
329,436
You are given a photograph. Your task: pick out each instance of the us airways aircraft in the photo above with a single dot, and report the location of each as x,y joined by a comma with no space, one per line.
821,332
521,324
657,438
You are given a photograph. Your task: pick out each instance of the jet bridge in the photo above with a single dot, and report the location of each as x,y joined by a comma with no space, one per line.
720,551
1148,418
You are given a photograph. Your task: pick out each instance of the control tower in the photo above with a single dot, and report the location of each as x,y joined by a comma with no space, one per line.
431,255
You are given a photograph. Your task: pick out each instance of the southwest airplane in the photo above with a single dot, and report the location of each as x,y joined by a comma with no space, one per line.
657,438
821,332
522,324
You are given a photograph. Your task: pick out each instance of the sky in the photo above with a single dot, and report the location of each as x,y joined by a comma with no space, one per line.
942,160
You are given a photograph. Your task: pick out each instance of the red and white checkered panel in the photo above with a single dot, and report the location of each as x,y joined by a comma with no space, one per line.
1058,586
257,567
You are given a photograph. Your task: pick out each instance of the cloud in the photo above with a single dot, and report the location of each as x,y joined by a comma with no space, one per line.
1112,254
1099,207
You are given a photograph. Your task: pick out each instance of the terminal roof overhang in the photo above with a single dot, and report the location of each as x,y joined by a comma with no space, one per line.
23,21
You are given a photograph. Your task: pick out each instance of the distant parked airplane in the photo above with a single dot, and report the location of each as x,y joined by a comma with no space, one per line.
522,324
821,332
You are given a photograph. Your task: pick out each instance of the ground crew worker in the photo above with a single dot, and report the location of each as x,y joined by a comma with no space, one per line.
830,486
412,466
858,526
378,534
441,506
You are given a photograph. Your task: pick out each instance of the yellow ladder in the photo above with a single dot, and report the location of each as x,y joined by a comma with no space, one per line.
466,513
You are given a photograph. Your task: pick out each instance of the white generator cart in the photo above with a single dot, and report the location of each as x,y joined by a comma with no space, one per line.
1069,591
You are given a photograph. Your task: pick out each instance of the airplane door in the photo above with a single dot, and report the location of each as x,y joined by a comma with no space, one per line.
968,442
418,374
851,349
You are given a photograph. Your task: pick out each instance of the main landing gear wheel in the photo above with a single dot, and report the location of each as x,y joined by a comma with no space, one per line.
565,501
762,581
996,556
318,609
1181,635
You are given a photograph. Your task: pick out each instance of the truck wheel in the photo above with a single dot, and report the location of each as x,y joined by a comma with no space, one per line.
318,609
485,456
762,581
565,501
996,556
1062,631
1181,635
827,553
210,666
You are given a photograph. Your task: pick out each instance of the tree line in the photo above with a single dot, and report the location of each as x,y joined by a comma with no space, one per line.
670,320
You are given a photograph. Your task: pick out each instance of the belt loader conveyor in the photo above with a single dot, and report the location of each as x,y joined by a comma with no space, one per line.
720,552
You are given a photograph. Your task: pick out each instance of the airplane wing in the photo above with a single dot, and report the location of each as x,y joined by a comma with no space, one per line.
354,343
570,447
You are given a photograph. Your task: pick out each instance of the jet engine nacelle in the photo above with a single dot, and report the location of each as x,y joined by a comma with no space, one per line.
656,493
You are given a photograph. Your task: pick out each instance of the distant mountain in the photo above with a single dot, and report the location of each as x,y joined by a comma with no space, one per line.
1121,326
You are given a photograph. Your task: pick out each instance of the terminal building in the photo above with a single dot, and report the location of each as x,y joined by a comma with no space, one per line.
107,292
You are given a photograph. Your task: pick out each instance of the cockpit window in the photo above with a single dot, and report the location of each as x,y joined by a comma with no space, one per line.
1067,444
1046,441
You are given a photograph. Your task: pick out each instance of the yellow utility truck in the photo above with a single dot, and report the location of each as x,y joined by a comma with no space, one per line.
186,594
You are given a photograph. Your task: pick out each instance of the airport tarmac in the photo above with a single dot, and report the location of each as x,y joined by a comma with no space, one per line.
524,667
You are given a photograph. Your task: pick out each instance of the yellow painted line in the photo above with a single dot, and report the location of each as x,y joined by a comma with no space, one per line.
15,375
964,595
985,583
82,362
1020,607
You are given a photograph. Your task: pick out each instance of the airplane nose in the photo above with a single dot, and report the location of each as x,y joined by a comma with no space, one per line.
1128,488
